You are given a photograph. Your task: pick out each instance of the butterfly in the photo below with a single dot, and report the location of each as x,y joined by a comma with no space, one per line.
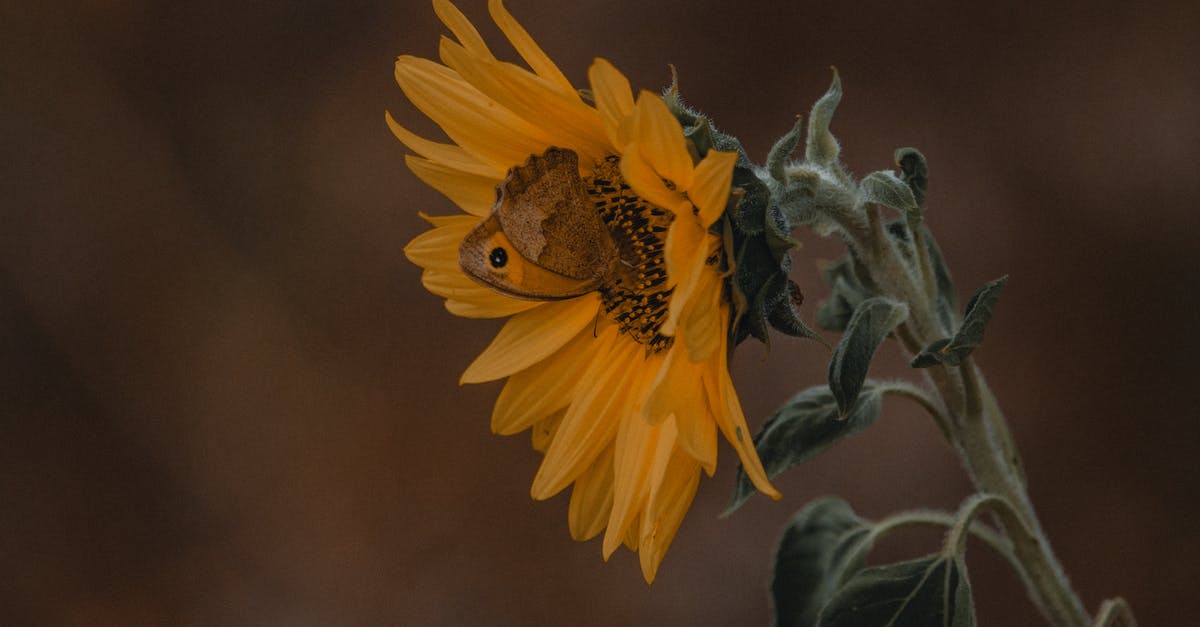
545,239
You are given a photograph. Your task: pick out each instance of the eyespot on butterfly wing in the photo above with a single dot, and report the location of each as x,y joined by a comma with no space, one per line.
544,239
490,257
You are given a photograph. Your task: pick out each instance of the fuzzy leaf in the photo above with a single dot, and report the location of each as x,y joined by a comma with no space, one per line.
803,428
976,316
825,543
872,321
929,592
885,188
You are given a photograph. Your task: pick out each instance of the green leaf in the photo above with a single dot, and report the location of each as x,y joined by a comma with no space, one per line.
872,321
803,428
927,592
976,316
885,188
822,147
825,543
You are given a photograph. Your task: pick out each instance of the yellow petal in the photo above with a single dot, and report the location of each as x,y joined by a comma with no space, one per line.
531,337
591,499
445,220
437,248
528,48
472,193
449,155
462,28
698,437
488,131
544,387
593,416
678,391
705,321
488,306
631,535
638,446
677,385
614,101
469,299
727,411
563,117
662,139
685,252
646,183
543,432
710,185
669,501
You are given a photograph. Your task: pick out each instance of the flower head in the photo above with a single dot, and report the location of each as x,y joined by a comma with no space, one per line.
616,344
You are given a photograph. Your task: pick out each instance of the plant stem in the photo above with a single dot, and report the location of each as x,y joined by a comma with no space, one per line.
978,430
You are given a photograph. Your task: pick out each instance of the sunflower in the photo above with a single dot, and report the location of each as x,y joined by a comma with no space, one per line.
626,385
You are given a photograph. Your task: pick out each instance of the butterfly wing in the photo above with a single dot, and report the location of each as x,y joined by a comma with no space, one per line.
545,210
490,257
545,239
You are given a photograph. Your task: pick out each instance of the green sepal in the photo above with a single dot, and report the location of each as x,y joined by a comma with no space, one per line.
976,316
933,591
822,147
757,236
873,320
783,149
804,427
914,170
824,545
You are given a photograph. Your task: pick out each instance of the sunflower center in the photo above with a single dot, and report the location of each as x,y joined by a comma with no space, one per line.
636,295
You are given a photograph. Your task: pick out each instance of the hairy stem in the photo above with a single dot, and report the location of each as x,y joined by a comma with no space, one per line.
978,430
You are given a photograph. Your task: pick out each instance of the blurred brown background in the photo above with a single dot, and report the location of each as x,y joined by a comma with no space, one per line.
227,400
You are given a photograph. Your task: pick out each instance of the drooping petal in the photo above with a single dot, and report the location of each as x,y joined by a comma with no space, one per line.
639,447
591,498
472,193
644,181
712,179
528,48
532,336
449,155
728,413
462,28
592,419
662,141
564,117
669,500
544,387
614,100
488,131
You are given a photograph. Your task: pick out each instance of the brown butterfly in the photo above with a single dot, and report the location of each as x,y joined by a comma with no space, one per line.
545,239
